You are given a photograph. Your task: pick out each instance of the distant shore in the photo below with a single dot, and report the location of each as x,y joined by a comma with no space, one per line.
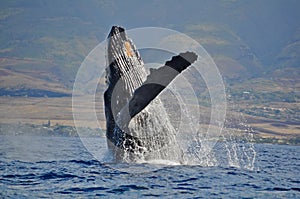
54,117
46,130
62,130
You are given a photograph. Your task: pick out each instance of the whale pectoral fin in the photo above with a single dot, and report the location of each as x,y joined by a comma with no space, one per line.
157,80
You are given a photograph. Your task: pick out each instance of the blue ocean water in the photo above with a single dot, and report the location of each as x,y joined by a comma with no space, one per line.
60,167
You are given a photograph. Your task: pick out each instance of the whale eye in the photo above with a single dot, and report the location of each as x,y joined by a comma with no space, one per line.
128,49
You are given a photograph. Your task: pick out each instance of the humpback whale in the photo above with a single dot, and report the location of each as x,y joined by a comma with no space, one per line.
133,126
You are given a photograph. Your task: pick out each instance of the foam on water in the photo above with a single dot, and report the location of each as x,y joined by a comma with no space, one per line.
160,162
184,141
188,144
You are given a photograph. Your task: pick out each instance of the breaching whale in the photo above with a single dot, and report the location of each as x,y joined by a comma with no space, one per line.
131,91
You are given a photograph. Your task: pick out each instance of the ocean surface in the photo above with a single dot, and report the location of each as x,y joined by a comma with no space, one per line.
61,167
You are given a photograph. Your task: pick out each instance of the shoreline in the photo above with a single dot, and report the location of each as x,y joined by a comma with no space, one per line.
46,130
70,131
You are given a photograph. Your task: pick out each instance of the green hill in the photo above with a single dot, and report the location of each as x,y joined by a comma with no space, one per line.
48,40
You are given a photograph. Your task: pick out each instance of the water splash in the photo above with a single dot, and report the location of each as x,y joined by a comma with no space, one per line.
239,143
154,130
233,148
186,138
182,140
174,136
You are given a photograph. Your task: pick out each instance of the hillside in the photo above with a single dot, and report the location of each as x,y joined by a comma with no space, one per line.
256,45
19,77
243,42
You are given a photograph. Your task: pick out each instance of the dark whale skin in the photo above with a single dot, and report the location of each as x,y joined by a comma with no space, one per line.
123,102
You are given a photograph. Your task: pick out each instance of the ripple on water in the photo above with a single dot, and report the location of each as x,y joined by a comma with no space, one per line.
78,175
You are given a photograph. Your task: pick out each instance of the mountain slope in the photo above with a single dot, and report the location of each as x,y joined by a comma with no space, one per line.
246,38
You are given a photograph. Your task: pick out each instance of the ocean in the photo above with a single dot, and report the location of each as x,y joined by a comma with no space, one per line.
61,167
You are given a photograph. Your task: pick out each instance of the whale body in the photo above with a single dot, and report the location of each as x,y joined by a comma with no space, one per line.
137,125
